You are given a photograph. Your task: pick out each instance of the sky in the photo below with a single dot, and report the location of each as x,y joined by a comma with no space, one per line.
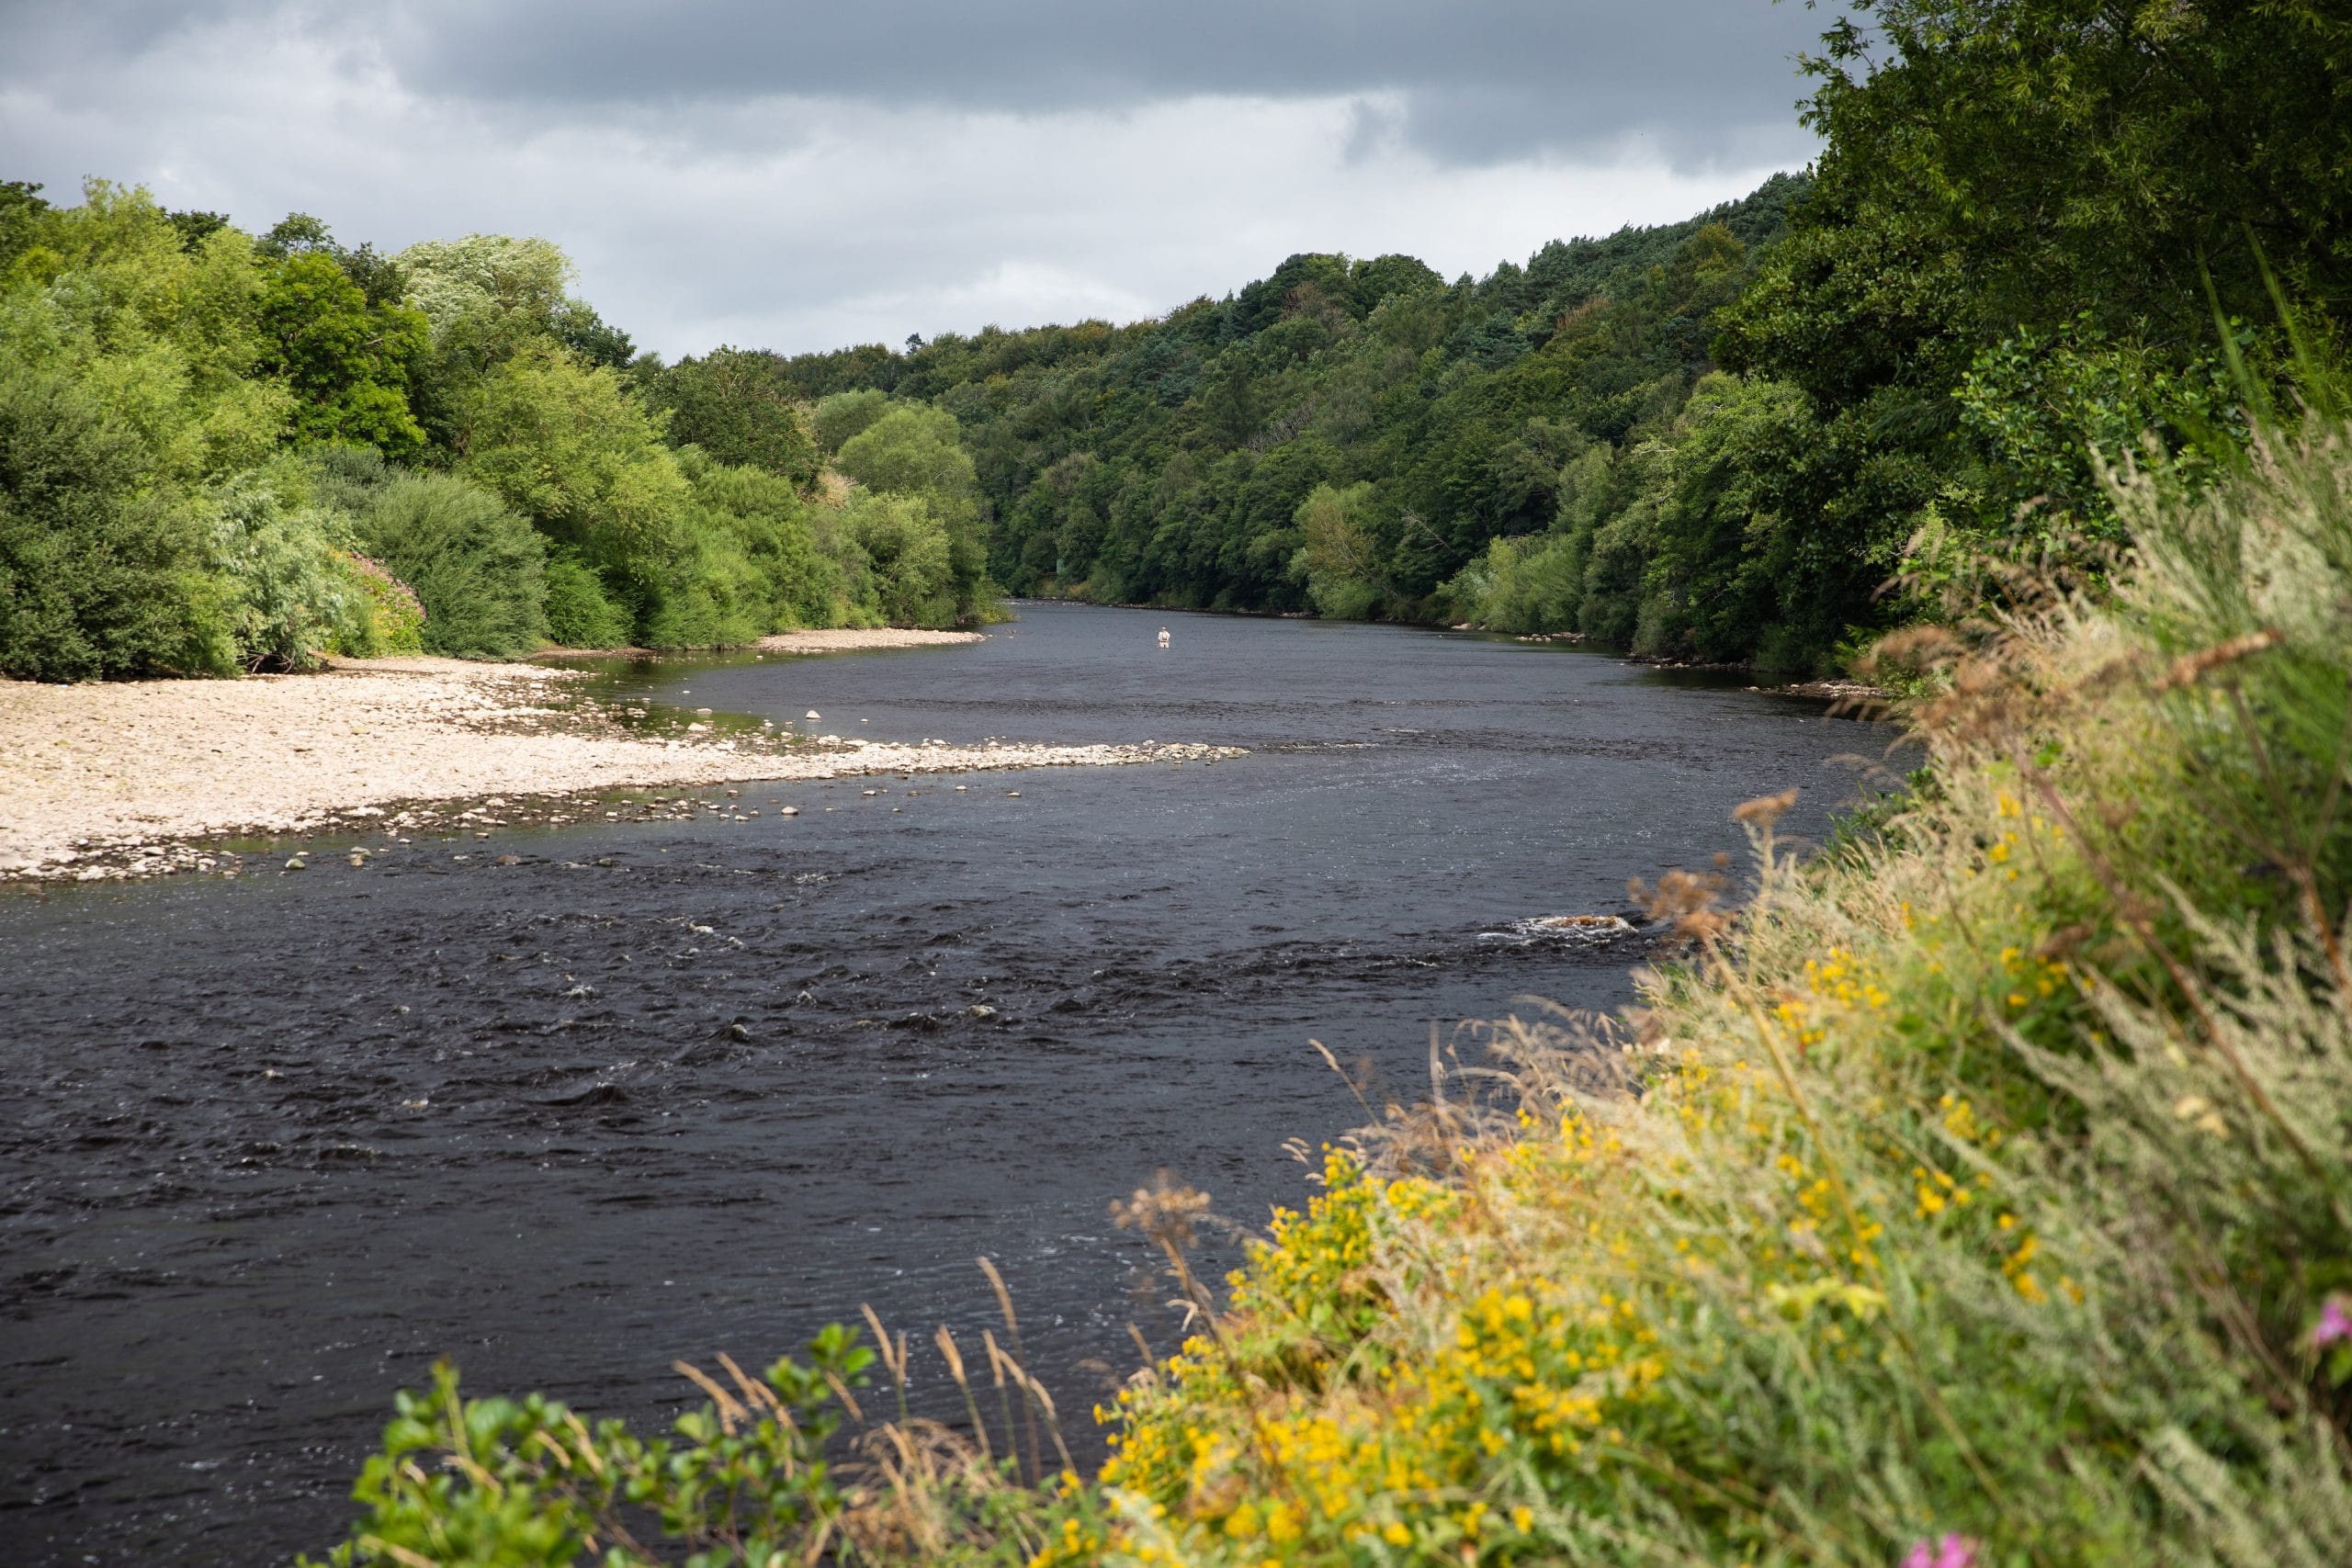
773,173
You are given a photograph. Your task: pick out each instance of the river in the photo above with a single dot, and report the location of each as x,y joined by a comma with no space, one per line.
665,1089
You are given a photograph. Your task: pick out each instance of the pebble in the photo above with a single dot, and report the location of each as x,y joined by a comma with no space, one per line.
176,802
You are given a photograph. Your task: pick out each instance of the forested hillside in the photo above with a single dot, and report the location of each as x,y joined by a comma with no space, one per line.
1176,460
1721,439
222,451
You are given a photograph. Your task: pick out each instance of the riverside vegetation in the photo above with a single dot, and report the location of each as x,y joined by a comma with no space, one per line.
223,452
1718,439
1722,440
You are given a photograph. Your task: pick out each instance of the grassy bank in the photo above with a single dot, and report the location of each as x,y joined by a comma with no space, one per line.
1985,1188
1975,1193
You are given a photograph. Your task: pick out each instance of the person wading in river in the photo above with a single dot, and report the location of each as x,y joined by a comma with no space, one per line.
1163,637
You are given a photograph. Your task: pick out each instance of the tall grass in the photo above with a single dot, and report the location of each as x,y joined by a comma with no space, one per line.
1986,1196
1979,1191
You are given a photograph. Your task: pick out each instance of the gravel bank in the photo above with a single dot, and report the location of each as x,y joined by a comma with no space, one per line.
846,638
138,778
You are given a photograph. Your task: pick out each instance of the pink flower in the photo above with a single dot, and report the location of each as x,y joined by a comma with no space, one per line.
1952,1552
2334,1324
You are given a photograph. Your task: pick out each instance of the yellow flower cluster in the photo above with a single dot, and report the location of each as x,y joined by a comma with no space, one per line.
2033,976
1386,1451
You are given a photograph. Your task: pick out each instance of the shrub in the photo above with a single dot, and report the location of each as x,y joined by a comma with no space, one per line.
479,570
1980,1192
290,591
708,596
580,613
394,618
798,580
103,573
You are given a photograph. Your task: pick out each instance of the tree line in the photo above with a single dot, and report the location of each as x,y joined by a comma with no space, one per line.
2036,238
222,451
2043,238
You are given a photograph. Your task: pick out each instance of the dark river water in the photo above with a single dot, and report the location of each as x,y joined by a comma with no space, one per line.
278,1143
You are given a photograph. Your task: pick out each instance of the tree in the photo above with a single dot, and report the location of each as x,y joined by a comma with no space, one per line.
840,415
23,217
569,448
911,450
914,451
348,363
1340,556
102,568
2084,155
577,326
910,553
738,405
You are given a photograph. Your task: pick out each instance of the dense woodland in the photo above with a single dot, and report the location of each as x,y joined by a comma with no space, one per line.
1977,1193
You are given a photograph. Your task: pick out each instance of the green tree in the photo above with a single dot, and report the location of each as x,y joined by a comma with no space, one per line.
914,451
348,362
103,565
910,555
738,405
840,415
1340,555
569,448
798,579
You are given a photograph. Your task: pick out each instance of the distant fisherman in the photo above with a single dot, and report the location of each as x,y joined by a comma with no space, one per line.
1163,637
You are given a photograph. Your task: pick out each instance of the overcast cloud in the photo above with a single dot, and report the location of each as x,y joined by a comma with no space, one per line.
799,177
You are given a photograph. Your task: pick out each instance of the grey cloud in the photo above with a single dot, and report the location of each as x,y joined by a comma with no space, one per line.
802,178
1478,81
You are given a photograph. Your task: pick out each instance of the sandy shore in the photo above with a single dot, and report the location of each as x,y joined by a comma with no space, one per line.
140,778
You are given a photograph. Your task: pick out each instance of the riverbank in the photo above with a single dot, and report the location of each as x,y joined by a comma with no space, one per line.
842,639
147,777
828,639
1967,1210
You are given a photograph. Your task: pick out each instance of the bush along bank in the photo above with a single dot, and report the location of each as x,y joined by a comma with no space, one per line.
221,452
1979,1193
